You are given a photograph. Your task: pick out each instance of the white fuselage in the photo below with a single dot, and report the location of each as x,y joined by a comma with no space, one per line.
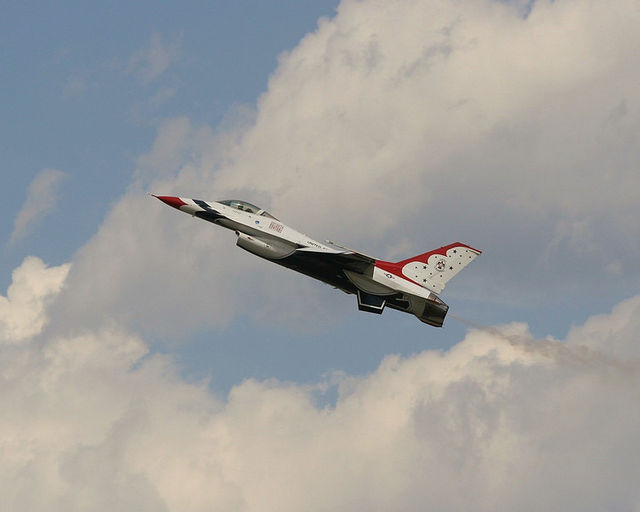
264,226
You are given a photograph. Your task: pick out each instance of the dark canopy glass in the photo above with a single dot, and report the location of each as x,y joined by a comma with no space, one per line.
246,207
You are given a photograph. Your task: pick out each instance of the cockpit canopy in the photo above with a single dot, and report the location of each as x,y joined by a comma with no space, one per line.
246,207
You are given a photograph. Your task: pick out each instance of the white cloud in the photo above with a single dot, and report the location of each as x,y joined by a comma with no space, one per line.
22,311
498,422
438,122
596,333
153,60
425,124
42,197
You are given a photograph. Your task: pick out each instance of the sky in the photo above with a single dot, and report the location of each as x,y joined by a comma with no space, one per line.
147,363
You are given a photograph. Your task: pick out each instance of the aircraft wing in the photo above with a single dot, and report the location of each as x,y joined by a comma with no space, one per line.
334,268
345,260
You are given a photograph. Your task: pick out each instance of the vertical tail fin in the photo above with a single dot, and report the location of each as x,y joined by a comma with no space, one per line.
435,268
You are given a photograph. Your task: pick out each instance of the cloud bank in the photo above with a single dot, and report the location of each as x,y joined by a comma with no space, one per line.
396,127
92,421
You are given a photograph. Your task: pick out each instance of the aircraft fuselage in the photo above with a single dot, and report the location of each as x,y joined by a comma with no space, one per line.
410,285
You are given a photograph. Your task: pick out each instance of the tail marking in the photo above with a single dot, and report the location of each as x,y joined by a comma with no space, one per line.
435,268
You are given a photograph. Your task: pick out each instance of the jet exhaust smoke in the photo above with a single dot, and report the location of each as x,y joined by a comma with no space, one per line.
560,352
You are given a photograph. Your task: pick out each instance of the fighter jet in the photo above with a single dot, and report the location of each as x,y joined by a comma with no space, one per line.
409,285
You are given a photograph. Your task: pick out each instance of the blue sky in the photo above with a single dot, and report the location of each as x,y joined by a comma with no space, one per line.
131,334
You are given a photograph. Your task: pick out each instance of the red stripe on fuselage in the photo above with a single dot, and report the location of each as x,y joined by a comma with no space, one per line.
395,269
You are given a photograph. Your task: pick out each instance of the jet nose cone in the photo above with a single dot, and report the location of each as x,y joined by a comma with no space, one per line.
176,202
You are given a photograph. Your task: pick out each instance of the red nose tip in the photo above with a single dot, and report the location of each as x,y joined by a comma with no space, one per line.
176,202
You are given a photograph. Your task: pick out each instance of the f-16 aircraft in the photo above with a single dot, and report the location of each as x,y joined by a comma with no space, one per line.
409,285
